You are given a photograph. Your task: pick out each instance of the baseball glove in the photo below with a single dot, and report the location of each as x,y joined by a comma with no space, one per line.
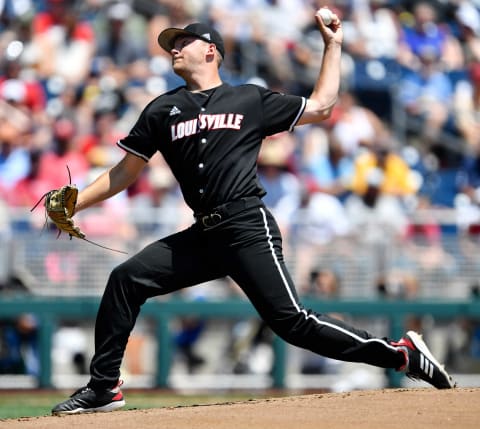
60,206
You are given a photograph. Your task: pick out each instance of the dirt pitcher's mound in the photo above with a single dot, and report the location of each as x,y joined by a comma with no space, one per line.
382,409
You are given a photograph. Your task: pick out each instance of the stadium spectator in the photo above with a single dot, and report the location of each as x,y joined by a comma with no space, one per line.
97,144
320,225
381,167
354,125
233,19
257,42
157,192
376,31
467,18
326,164
275,174
375,208
424,252
18,82
424,32
62,154
425,93
466,106
19,351
120,35
15,126
68,40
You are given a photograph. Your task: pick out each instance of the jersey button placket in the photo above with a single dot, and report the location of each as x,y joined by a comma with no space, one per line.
203,142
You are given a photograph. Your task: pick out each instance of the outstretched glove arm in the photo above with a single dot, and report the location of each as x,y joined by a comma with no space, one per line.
60,207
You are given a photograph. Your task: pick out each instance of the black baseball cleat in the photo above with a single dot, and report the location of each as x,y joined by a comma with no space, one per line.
87,400
421,364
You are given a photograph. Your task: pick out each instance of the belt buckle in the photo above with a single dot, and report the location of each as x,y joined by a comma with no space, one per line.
211,220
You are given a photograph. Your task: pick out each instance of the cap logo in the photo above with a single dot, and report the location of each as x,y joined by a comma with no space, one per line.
207,36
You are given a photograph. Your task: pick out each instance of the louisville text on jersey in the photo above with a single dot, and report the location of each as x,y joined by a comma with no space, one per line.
206,122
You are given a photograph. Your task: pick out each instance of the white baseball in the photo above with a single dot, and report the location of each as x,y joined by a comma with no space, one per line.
326,15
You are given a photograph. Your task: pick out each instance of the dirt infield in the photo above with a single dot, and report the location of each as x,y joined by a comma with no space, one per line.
385,409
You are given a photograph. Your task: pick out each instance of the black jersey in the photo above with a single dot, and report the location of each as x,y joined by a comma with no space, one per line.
211,139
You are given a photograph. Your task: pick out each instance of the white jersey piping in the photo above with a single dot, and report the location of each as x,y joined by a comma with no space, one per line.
303,311
130,150
300,112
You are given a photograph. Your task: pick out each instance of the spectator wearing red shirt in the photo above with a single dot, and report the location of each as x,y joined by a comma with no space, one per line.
53,164
28,91
66,42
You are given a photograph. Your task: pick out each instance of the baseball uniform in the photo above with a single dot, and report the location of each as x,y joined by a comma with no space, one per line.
211,141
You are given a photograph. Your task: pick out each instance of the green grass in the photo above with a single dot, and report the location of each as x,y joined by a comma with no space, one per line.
39,403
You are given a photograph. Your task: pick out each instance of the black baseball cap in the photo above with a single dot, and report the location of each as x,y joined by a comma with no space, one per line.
167,37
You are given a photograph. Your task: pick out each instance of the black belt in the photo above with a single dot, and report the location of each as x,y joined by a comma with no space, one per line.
224,211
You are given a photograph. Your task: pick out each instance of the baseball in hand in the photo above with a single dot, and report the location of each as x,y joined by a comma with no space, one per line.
326,15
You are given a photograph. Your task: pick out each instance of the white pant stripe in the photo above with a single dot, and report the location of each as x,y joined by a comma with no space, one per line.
304,312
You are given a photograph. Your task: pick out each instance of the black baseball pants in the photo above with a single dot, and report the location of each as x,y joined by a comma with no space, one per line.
248,248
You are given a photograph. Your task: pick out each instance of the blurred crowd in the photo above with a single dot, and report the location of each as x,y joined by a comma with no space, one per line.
74,75
403,139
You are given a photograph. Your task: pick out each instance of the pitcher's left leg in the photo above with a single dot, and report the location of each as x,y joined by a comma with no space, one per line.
259,269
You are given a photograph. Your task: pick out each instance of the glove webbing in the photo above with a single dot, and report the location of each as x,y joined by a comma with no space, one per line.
60,231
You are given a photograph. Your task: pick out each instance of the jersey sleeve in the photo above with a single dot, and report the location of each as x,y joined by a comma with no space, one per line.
140,139
281,112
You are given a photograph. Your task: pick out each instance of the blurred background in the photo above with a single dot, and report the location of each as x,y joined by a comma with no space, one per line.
379,205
